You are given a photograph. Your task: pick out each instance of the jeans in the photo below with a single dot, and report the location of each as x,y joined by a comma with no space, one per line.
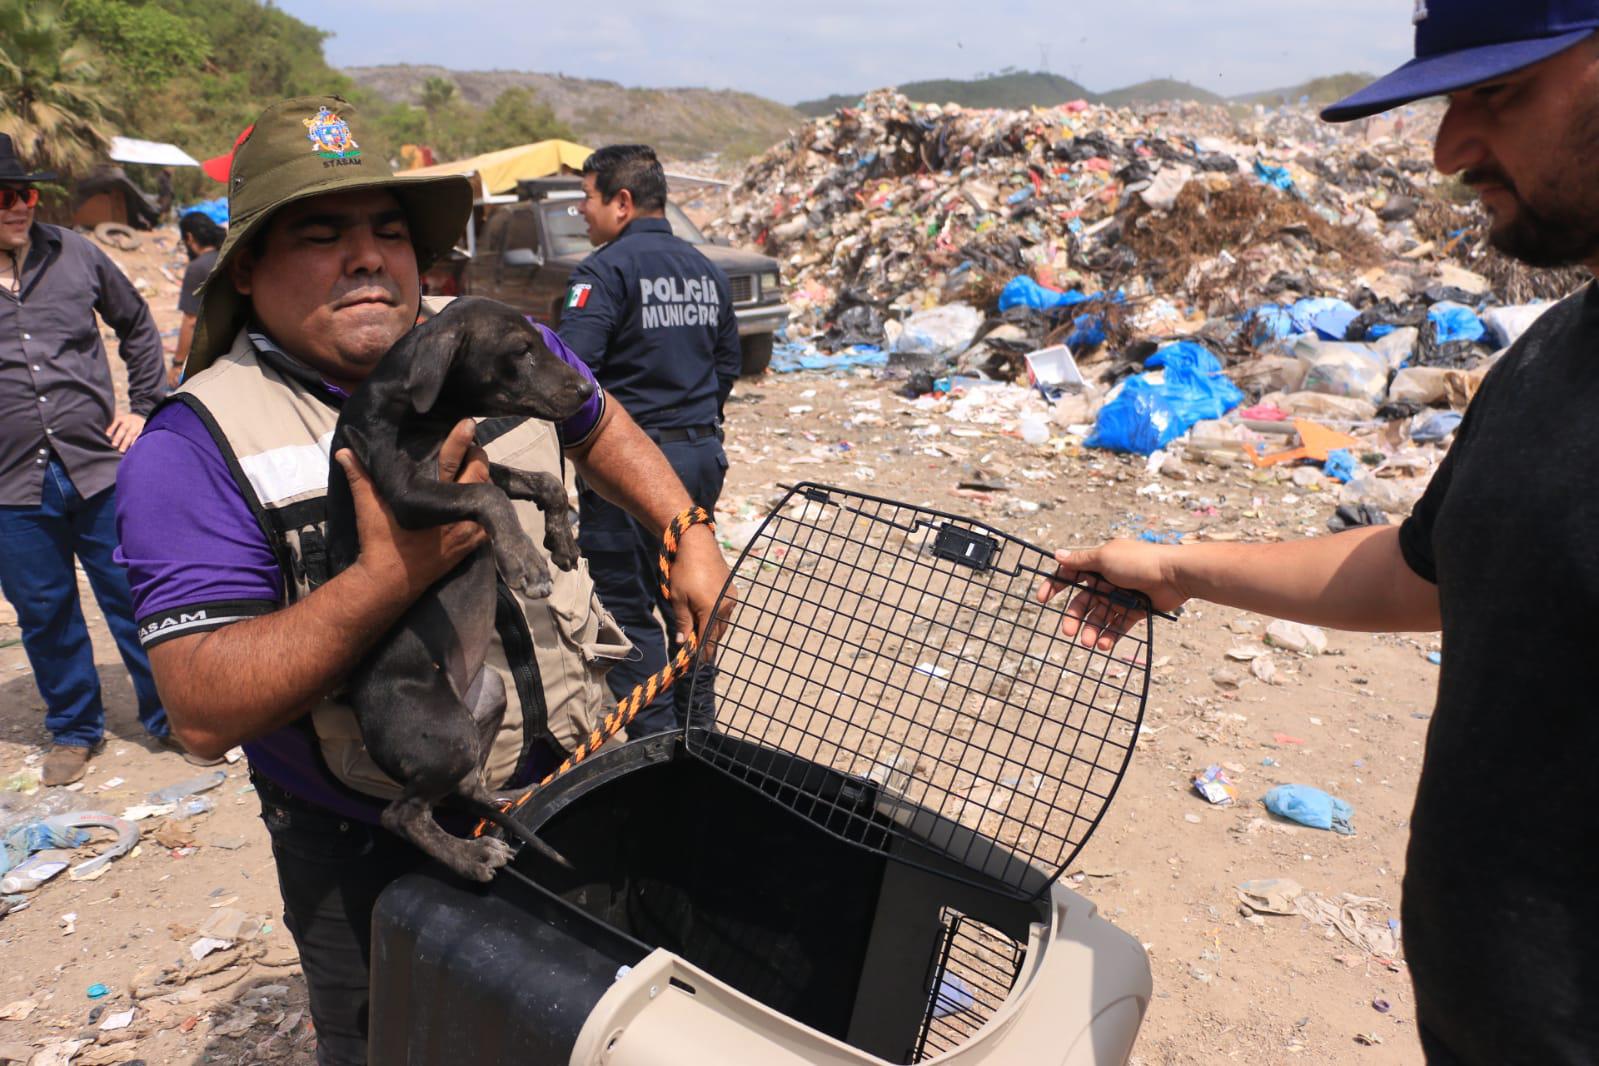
330,872
623,562
37,546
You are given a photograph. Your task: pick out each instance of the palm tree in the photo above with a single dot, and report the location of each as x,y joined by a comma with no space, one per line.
51,100
445,116
436,93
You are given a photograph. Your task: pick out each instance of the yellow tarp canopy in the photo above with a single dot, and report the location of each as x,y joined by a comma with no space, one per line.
500,171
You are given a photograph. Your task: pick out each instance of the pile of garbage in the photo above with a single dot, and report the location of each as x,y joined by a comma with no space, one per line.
1324,271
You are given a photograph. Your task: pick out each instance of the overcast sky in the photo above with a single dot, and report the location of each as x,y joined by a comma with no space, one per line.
796,51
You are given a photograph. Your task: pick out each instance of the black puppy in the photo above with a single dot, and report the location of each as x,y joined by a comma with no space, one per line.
424,721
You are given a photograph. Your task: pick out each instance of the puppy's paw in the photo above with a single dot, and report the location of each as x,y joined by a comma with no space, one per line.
538,586
562,545
536,582
480,859
518,562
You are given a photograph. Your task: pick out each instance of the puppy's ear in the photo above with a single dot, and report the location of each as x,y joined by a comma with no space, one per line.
429,350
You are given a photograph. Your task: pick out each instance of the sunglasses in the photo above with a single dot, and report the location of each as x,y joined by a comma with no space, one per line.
10,198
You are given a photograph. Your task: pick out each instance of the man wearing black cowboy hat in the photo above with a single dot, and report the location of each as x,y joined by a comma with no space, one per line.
61,439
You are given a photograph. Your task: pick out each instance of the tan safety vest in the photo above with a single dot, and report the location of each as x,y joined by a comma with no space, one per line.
274,430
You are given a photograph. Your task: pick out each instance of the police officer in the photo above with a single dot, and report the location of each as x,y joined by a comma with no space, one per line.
653,318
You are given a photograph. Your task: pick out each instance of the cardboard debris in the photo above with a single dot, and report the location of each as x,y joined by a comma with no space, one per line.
18,1010
1272,896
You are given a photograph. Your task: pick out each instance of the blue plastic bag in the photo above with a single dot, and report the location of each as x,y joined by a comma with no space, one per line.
1145,417
1196,388
1455,322
1326,316
1333,323
1271,322
1312,807
1023,291
1088,332
216,210
1278,177
1435,427
1340,466
24,840
1138,420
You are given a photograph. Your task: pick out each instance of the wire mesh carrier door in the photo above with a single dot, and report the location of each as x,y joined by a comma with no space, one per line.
974,969
889,674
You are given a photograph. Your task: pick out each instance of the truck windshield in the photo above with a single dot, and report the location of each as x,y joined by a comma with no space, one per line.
569,235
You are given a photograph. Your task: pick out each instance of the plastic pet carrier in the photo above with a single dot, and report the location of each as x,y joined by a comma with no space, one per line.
848,856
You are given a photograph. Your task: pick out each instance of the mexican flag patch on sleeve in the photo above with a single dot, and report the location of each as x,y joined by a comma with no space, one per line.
578,296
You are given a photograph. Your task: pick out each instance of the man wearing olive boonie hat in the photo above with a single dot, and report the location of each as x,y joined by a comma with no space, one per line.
1500,927
222,525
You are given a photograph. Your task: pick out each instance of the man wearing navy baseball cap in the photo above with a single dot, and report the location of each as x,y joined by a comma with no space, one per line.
1501,918
1523,122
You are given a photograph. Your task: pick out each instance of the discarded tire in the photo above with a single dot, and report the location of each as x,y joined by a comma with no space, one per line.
118,236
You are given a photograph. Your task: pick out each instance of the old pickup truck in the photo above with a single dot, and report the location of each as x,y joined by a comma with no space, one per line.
525,250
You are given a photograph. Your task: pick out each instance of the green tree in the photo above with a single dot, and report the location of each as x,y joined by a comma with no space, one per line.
150,43
436,95
196,72
52,101
450,125
517,117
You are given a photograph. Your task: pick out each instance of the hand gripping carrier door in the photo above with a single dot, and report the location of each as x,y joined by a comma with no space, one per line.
850,854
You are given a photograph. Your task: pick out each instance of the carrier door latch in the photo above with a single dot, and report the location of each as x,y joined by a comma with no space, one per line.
962,546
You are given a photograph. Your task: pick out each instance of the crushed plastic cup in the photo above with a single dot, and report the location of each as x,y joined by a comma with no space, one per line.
195,805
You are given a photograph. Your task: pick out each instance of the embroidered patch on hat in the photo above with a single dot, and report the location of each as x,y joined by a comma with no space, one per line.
579,295
330,136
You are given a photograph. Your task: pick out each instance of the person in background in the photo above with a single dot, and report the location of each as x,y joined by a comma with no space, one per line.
163,192
61,439
201,238
654,320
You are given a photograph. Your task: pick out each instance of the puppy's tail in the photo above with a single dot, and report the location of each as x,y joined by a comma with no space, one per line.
500,818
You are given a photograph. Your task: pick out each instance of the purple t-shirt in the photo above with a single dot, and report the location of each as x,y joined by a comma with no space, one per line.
198,560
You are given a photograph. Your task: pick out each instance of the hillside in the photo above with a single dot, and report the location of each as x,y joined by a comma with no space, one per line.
1158,91
684,123
1326,90
1011,90
1030,89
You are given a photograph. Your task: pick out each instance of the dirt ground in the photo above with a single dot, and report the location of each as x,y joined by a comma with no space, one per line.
1164,865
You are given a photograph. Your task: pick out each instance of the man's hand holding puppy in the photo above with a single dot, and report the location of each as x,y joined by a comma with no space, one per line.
403,562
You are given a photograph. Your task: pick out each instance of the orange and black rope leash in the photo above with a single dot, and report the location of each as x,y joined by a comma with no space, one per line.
629,706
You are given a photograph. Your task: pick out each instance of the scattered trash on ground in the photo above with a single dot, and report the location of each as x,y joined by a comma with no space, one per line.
1217,788
1310,806
183,789
1356,918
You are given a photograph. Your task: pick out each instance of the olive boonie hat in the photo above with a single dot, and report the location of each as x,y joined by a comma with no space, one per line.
305,147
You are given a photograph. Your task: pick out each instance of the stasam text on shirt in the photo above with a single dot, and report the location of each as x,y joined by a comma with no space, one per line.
675,301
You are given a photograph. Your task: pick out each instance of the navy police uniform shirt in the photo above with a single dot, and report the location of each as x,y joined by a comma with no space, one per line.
653,318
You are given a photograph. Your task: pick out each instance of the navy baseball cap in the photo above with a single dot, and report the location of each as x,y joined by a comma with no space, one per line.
1460,43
